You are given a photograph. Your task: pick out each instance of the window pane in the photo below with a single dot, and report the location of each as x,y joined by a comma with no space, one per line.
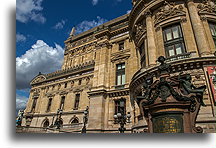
170,50
119,80
178,49
168,34
213,29
175,32
119,66
123,66
123,79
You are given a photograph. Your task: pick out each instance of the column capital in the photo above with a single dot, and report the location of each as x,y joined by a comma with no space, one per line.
148,13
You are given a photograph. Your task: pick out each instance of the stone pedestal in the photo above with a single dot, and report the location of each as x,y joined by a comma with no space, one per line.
170,104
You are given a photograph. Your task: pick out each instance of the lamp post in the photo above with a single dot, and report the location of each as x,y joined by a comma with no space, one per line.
20,117
57,123
121,117
85,119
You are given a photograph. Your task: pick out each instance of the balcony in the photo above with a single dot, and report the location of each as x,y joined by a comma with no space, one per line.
180,56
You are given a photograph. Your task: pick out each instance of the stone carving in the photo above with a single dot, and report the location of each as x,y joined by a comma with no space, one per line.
187,88
38,78
179,88
139,30
170,104
168,10
208,6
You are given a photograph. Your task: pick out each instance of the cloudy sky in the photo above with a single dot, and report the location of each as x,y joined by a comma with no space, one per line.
42,26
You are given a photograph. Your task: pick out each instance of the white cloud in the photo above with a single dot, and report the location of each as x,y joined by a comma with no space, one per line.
20,102
60,24
27,10
40,58
128,11
86,25
94,2
20,37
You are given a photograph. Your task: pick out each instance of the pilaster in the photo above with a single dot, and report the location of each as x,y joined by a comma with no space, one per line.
152,51
198,29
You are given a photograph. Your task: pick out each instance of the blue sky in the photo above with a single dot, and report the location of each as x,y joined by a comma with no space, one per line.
42,26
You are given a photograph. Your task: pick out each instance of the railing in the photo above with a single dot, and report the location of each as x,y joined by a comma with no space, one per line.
179,56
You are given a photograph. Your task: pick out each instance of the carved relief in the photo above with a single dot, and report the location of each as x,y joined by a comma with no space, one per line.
140,30
38,79
168,10
207,6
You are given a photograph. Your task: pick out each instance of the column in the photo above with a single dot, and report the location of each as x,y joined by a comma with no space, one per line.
198,29
150,39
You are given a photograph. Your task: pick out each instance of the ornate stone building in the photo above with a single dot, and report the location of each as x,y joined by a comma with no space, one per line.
102,64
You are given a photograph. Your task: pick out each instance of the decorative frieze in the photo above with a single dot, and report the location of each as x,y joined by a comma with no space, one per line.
168,10
140,30
207,6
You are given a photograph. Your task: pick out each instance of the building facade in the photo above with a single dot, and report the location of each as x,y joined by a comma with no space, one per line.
102,64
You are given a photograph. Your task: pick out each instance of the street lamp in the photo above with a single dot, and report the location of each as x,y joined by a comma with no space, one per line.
121,117
20,117
85,119
57,123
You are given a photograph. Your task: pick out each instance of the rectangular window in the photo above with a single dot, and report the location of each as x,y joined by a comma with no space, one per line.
62,102
120,74
173,41
121,46
76,104
120,106
34,104
49,104
213,31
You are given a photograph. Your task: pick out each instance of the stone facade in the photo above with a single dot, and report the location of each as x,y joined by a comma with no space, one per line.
89,74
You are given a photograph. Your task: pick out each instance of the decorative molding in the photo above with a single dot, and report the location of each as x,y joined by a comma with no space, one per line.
118,57
168,10
206,7
39,78
139,31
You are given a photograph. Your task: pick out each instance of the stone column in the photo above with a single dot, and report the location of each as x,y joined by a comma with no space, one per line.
152,50
198,29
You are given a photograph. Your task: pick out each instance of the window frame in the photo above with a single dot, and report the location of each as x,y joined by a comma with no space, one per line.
121,46
117,106
173,42
49,104
62,102
120,72
76,101
212,25
34,104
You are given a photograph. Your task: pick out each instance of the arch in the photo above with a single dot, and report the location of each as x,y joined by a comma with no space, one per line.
45,123
75,121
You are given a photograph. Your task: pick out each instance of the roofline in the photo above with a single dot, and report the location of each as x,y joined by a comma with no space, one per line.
91,31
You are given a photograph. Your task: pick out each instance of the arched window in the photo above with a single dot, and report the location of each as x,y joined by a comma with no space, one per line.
46,124
75,121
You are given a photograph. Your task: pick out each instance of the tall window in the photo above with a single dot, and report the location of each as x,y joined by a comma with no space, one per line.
120,74
173,40
34,104
213,31
76,104
62,102
142,53
118,106
121,46
49,104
